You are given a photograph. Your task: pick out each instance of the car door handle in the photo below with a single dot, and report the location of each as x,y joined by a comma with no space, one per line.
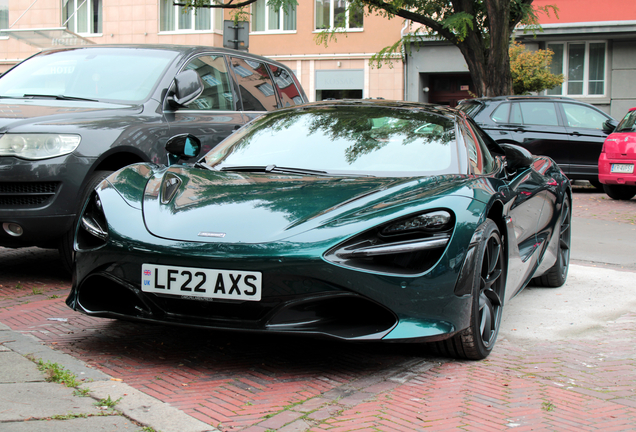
575,133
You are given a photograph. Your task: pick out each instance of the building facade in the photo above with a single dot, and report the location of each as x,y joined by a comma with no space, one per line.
594,47
340,69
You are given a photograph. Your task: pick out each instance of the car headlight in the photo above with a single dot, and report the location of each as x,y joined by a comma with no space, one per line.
38,146
406,246
434,221
92,231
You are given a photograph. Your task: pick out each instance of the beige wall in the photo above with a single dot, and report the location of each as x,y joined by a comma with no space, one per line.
124,22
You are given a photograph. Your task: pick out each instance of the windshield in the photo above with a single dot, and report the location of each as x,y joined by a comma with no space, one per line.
116,74
628,124
374,140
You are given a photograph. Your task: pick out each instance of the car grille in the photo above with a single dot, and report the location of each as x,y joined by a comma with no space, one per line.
26,194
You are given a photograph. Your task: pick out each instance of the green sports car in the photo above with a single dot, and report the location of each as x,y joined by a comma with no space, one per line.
356,220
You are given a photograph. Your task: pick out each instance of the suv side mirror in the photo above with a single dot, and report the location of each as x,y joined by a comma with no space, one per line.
517,157
184,146
609,126
187,87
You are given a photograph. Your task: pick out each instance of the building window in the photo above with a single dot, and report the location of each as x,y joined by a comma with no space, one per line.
270,19
332,14
176,19
82,16
4,14
582,64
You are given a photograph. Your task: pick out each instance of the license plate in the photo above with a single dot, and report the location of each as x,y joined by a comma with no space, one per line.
201,283
623,168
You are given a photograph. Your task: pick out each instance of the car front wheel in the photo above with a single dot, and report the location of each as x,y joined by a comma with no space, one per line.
489,284
556,276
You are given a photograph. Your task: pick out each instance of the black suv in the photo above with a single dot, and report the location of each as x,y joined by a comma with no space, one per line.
70,116
570,132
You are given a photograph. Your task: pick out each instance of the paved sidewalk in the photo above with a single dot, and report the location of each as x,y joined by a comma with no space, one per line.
28,403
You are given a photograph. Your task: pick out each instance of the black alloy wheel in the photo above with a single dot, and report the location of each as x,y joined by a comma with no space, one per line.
558,274
477,341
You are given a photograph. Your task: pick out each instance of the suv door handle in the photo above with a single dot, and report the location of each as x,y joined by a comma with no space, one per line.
575,133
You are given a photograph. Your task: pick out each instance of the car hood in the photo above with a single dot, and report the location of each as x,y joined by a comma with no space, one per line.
15,113
208,206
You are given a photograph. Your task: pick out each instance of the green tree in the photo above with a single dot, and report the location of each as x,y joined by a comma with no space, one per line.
481,29
530,70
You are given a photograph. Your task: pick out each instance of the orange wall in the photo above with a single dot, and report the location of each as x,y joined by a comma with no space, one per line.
378,33
588,10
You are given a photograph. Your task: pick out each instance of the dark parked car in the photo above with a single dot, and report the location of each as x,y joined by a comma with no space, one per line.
568,131
71,116
355,220
617,160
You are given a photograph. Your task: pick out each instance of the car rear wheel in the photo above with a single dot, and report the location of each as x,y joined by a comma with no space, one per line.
557,275
619,192
67,254
478,340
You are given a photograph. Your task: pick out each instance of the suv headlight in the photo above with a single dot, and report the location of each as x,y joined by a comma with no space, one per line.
38,146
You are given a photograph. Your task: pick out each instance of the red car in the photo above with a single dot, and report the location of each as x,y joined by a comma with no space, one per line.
617,160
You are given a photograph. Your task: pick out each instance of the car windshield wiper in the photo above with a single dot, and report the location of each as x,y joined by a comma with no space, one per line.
57,97
275,169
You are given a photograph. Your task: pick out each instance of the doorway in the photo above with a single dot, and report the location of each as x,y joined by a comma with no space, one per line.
448,89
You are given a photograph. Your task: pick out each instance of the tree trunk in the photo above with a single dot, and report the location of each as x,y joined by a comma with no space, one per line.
488,60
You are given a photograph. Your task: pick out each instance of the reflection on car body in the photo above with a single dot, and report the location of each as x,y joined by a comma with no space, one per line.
355,220
71,116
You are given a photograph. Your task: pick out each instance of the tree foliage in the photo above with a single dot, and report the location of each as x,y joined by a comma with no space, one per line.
530,70
481,29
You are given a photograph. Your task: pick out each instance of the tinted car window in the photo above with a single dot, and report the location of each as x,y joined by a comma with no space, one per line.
217,94
289,93
539,113
628,123
257,89
500,115
480,158
101,74
515,114
582,116
346,139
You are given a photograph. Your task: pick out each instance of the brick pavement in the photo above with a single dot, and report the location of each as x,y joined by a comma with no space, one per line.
257,383
589,202
260,383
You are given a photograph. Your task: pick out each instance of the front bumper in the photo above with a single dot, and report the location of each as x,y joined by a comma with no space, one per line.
308,296
41,197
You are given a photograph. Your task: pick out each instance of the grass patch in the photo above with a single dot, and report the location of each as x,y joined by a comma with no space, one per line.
56,373
107,402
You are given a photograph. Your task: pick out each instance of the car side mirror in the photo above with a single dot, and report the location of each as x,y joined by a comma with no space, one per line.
187,87
517,157
609,126
184,146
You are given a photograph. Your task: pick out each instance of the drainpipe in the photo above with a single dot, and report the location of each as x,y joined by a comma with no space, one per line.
405,72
